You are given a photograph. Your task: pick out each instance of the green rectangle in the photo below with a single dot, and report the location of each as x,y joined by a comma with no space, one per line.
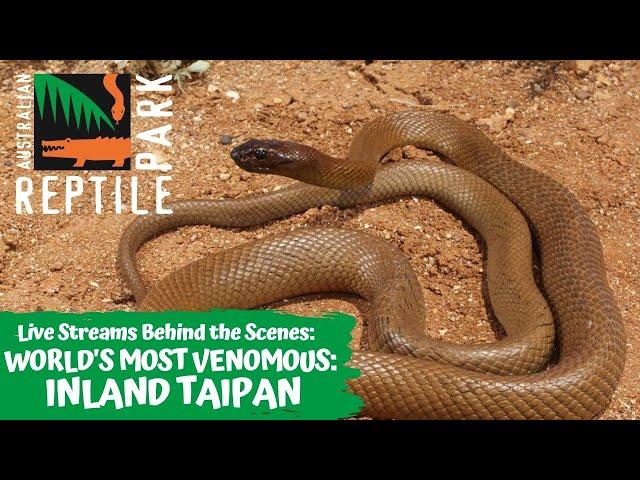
263,364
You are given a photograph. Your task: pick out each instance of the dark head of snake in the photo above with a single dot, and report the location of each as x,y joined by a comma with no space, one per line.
276,157
297,161
273,156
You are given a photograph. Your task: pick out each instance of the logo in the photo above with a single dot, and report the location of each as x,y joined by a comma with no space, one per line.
82,122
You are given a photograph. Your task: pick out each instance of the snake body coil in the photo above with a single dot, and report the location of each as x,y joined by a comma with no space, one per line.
408,375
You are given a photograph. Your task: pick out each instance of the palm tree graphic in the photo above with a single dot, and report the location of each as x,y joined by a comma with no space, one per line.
71,99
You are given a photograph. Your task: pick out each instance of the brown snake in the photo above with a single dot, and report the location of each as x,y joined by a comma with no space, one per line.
405,374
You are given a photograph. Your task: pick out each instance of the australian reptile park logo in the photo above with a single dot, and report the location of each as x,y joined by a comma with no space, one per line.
82,122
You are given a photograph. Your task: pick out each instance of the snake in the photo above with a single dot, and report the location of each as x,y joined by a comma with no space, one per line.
110,84
564,350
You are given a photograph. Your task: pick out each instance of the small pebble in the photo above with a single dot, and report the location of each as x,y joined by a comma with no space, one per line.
233,95
602,95
124,298
582,94
226,139
581,66
225,176
10,241
600,78
509,113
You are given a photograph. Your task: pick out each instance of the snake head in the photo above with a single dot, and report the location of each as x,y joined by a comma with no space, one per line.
117,112
297,161
269,156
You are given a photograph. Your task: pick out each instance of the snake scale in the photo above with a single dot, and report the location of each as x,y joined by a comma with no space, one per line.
405,374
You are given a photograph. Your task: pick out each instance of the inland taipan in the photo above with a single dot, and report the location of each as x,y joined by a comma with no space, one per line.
82,150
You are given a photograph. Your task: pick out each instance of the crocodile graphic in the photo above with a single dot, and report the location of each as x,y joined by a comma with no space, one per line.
91,149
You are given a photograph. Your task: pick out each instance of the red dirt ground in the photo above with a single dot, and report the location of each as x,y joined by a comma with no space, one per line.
581,128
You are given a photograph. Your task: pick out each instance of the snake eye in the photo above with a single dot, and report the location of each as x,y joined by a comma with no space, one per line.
261,153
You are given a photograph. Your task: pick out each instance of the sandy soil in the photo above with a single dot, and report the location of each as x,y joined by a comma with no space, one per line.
579,127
